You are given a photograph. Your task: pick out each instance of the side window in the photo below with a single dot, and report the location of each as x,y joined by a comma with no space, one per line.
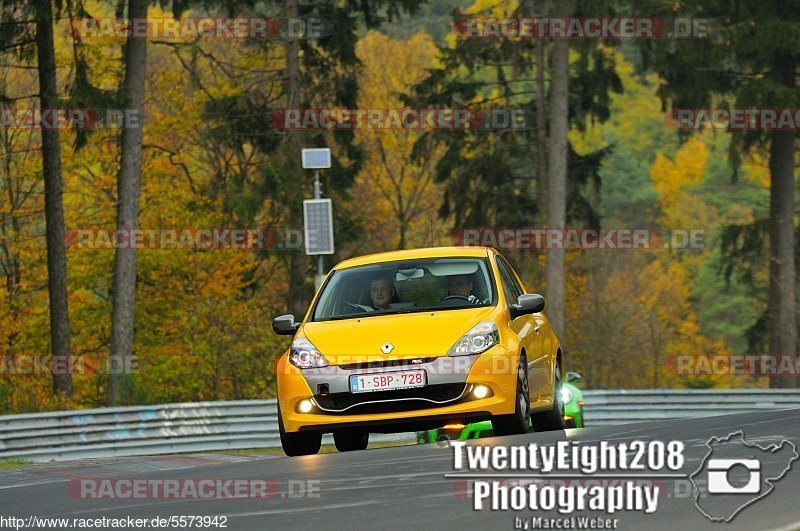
510,286
514,278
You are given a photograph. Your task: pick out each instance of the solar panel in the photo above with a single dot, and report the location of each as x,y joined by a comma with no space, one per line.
318,220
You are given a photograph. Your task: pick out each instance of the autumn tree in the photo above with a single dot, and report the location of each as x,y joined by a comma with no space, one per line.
557,170
492,177
128,184
753,55
390,68
247,122
54,206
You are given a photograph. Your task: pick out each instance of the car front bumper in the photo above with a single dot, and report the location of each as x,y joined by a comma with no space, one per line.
447,397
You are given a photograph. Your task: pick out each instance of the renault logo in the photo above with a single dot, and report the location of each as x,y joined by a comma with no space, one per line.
387,348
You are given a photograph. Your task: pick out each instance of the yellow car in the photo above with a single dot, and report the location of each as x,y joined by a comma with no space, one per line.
412,340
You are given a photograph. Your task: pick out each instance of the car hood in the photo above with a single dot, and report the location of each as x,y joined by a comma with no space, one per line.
413,335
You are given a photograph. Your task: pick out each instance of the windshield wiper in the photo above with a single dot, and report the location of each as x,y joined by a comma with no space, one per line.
372,314
403,311
351,316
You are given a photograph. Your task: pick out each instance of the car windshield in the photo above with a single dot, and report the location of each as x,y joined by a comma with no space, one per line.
404,287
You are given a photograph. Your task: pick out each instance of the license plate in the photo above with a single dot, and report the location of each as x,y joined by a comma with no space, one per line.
387,381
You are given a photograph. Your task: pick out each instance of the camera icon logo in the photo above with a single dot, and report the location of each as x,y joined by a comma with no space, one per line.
735,473
719,471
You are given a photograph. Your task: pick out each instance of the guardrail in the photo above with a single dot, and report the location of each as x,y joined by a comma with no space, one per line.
638,405
243,424
139,430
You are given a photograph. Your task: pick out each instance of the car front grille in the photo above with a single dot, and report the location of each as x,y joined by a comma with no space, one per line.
384,364
390,401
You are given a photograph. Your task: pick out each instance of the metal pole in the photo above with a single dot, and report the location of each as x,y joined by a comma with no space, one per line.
318,195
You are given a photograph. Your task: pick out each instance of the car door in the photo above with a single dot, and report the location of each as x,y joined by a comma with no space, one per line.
529,328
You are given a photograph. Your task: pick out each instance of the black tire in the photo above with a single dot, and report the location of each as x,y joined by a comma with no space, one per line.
517,422
351,440
300,443
553,418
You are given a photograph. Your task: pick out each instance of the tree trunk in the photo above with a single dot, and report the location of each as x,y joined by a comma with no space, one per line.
401,244
292,58
541,127
782,310
781,305
299,293
557,164
128,187
53,202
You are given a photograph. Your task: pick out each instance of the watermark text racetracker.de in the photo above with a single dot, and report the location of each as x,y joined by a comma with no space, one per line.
580,28
47,365
726,364
81,119
187,238
534,238
396,119
736,119
490,468
191,28
209,488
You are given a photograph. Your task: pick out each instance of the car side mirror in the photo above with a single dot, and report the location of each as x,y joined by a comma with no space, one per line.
285,325
573,377
527,304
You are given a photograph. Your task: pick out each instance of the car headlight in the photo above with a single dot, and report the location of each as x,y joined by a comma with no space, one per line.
566,395
480,338
305,355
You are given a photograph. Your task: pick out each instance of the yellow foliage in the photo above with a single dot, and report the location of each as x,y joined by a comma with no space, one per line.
636,317
756,169
671,178
397,197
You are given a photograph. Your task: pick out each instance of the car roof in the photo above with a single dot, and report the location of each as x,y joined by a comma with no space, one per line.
410,254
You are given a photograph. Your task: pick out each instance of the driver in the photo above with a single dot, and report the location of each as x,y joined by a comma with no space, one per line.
461,286
381,292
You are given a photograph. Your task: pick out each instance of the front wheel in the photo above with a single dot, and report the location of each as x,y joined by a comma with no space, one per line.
553,418
517,422
300,443
348,441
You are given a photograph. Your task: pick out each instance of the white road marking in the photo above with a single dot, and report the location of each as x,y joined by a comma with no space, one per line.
22,485
304,509
791,527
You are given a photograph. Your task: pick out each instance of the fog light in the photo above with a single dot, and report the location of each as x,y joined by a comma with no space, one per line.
305,406
480,391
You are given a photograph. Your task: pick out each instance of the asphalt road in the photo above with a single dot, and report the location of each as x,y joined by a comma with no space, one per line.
398,488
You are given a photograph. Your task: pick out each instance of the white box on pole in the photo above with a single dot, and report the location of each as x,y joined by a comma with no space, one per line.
316,158
318,226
